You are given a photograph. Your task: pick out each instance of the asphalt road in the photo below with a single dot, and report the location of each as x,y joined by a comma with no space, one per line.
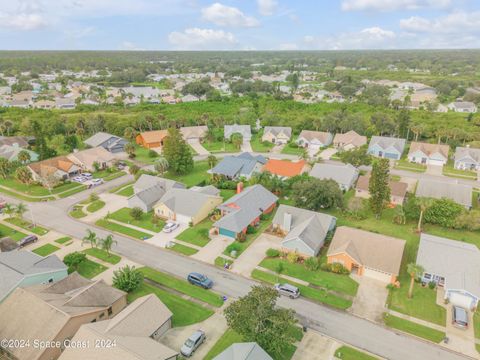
336,324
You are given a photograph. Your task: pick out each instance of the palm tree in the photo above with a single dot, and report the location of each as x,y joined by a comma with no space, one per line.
91,238
8,209
161,165
129,133
212,161
5,167
20,209
423,204
414,270
107,243
24,156
130,150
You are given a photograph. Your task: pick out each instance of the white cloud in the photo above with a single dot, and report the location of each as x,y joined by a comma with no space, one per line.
455,23
223,15
22,21
267,7
390,5
202,39
288,46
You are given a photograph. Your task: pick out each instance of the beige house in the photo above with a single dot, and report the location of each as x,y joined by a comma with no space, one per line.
134,331
349,141
86,159
190,133
188,205
54,312
277,134
398,190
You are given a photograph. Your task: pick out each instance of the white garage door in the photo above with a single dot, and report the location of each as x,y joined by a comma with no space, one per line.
436,162
183,219
377,275
461,300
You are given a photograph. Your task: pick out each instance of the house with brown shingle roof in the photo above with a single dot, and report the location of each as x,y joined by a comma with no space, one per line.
349,141
398,190
86,159
151,139
194,132
428,154
314,139
60,167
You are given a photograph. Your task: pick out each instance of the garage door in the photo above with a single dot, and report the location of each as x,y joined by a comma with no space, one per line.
183,219
436,162
461,300
391,156
377,275
228,233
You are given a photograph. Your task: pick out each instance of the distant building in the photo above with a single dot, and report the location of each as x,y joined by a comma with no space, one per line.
386,147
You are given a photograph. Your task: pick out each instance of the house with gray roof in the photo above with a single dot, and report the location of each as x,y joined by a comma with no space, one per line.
314,139
10,152
304,230
467,158
24,268
109,142
345,175
277,134
243,130
149,189
452,265
386,147
243,165
460,193
244,209
243,351
462,106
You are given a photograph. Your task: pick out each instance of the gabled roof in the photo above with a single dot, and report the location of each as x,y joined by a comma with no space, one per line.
244,130
185,201
243,351
350,137
153,136
101,137
50,166
397,188
194,131
375,251
429,149
386,142
285,167
460,193
343,174
242,164
146,181
463,152
88,157
323,137
276,130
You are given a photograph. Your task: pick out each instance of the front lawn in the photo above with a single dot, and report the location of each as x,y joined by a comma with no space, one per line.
95,206
414,328
230,337
182,286
196,234
410,166
72,191
90,269
63,240
145,222
36,189
102,255
108,174
260,146
12,233
77,212
197,176
24,224
348,353
449,170
292,149
143,155
184,312
182,249
126,191
227,194
46,250
122,229
116,189
220,146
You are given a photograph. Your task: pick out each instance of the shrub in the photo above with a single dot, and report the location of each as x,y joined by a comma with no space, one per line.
152,154
273,253
233,247
293,257
338,268
204,233
127,278
73,260
312,263
251,229
241,237
432,285
136,213
443,212
93,197
390,286
326,267
134,169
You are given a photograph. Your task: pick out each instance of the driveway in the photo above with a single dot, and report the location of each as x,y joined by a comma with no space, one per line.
312,151
161,239
213,249
370,300
277,149
197,146
113,202
255,253
315,346
246,146
435,170
328,153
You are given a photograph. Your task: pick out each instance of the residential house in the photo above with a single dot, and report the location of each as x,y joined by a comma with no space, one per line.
44,104
148,190
277,134
243,130
349,141
344,175
188,206
89,158
367,254
452,265
243,351
386,147
24,268
152,139
467,158
244,209
135,331
304,231
314,139
243,165
398,190
463,106
109,142
20,141
194,133
21,103
10,152
65,103
60,168
285,168
459,193
54,312
428,154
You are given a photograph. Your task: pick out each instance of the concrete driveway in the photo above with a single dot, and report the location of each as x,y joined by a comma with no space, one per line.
370,300
213,249
328,153
435,170
197,146
246,146
161,239
316,346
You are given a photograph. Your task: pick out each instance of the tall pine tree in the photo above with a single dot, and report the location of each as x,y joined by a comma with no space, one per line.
378,186
177,152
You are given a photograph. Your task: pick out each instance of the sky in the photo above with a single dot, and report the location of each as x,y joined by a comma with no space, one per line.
238,24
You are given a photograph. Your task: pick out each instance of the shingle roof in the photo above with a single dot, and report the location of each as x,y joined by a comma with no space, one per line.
154,136
244,130
385,142
397,188
241,165
275,130
146,181
243,351
185,201
462,152
99,138
310,135
350,137
460,193
285,167
429,149
193,131
343,174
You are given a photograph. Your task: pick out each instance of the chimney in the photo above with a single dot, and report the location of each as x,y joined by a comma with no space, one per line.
239,187
287,222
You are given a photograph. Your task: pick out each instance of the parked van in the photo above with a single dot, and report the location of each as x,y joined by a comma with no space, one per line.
288,290
459,317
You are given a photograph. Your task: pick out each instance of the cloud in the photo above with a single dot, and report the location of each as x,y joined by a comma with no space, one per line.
26,15
288,46
267,7
223,15
391,5
458,22
202,39
130,46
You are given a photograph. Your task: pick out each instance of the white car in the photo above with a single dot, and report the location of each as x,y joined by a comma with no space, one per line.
170,226
87,176
96,182
79,179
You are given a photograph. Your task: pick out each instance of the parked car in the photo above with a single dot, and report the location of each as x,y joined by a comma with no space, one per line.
79,179
87,175
288,290
459,317
121,165
170,226
96,182
199,280
192,343
30,239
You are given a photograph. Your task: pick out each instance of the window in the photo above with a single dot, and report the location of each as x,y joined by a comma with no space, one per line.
110,311
50,280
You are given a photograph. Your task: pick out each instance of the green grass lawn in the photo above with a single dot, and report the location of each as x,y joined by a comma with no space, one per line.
194,235
12,233
24,224
184,312
227,194
142,155
182,249
108,174
145,222
311,293
220,261
95,206
407,165
230,337
90,269
77,212
122,229
126,191
324,279
292,150
45,250
349,353
220,146
195,177
102,255
476,324
414,328
258,145
449,170
63,240
72,191
25,197
114,175
183,286
36,189
120,187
